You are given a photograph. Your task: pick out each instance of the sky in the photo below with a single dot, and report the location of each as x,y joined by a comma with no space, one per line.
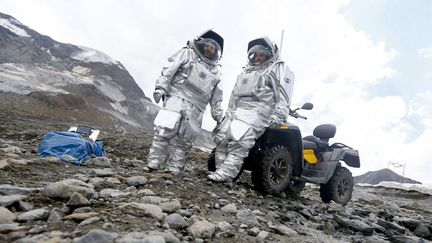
366,65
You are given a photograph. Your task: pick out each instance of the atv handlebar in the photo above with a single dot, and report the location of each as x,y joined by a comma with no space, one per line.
294,114
306,106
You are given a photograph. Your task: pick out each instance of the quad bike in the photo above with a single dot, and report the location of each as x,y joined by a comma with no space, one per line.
281,160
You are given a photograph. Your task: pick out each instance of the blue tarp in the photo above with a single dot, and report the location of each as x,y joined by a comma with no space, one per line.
70,147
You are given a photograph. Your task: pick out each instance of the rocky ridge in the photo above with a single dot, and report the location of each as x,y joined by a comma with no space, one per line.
375,177
74,83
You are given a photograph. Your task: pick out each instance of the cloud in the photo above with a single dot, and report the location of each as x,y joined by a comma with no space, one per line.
425,52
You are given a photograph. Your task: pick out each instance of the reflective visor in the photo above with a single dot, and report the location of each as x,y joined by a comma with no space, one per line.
258,49
209,49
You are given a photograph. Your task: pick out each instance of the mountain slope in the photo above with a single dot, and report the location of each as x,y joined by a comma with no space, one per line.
46,77
375,177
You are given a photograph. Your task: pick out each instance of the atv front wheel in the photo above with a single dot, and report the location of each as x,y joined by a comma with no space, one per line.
339,188
272,174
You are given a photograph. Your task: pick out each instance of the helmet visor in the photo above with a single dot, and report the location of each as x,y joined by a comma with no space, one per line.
258,55
209,49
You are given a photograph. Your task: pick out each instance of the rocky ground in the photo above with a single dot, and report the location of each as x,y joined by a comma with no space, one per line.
115,199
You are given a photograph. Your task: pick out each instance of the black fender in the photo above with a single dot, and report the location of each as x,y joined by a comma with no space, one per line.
320,173
287,135
348,155
351,158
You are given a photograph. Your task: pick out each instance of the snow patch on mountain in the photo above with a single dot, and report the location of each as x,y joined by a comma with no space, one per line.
14,79
112,91
24,79
81,70
6,23
424,189
91,55
117,106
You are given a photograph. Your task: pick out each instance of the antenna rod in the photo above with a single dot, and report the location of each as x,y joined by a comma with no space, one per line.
281,42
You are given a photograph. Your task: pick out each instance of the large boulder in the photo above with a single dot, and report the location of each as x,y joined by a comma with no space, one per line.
65,188
36,214
6,216
202,229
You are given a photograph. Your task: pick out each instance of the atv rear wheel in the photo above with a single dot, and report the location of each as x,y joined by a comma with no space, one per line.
272,174
339,188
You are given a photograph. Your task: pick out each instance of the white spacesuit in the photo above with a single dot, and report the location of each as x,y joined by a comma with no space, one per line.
187,84
261,96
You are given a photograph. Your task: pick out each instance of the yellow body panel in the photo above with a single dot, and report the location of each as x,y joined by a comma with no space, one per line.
309,156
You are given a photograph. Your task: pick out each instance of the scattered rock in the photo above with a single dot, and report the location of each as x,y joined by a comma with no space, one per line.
171,206
168,236
262,235
224,226
12,149
113,193
82,210
81,177
55,216
100,161
23,206
142,209
153,200
391,226
136,181
36,214
6,201
355,224
6,216
103,172
282,229
176,221
254,231
409,223
398,238
247,217
184,213
105,182
145,192
367,198
230,208
130,189
80,216
136,163
422,231
329,228
77,200
97,236
202,229
7,228
38,229
154,239
10,189
4,163
65,188
89,221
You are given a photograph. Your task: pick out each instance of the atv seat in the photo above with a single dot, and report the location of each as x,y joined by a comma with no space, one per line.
312,142
321,136
309,145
